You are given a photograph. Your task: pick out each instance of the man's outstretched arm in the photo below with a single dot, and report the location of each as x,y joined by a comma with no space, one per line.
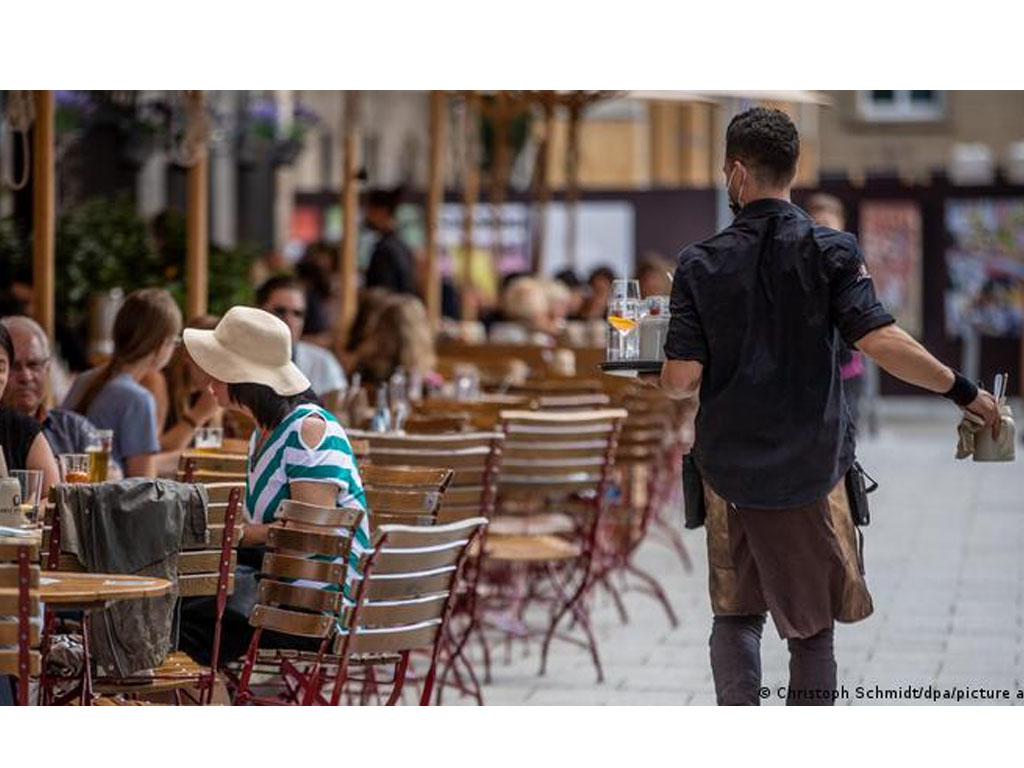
899,354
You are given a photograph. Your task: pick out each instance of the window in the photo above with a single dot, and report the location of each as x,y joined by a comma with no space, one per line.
901,106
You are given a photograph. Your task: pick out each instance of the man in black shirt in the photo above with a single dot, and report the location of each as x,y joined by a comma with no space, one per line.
759,312
392,264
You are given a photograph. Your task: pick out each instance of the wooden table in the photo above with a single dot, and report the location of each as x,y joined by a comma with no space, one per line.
88,592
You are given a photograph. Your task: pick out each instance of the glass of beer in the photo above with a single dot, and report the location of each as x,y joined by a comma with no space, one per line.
74,467
31,482
209,439
99,450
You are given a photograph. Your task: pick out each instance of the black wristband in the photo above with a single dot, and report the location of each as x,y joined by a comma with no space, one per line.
963,390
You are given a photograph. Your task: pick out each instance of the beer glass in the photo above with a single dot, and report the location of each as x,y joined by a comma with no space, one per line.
99,449
74,467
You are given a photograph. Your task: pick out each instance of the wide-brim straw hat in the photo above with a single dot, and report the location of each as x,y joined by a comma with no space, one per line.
248,346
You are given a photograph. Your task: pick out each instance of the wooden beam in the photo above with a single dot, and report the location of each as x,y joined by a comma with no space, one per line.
470,193
435,191
44,218
348,294
197,268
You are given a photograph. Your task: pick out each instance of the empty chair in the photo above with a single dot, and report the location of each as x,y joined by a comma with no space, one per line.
404,600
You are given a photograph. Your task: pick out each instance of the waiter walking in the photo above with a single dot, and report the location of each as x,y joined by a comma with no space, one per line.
758,311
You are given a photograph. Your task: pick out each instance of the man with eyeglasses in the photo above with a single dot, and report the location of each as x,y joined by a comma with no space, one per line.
28,389
285,297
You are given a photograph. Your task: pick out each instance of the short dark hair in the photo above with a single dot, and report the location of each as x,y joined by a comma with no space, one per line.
568,278
767,142
268,407
7,345
277,283
603,271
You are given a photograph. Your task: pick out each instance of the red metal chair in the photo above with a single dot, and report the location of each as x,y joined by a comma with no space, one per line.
19,604
304,573
475,458
403,601
556,472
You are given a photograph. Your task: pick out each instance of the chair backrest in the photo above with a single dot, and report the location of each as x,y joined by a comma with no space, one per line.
558,385
405,596
483,413
210,570
212,467
573,402
19,604
307,544
409,495
474,457
437,424
551,453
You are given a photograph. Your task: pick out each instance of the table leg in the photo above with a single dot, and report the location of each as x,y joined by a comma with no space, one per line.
86,663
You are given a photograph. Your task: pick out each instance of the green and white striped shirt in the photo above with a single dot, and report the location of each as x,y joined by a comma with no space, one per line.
285,457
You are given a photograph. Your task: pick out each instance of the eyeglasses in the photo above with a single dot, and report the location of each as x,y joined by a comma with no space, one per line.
34,367
283,312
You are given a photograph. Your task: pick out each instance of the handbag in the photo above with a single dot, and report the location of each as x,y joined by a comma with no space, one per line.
858,485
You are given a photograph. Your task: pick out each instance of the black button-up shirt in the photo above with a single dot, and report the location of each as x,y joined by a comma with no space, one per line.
760,305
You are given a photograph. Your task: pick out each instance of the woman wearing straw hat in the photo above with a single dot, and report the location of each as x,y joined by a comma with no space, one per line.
298,451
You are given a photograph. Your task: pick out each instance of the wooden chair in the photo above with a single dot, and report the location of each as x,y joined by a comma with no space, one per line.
307,544
404,494
475,458
647,463
213,467
483,413
404,599
19,605
555,462
437,425
202,572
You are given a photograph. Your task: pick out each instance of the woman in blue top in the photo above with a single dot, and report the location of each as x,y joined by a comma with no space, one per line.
146,330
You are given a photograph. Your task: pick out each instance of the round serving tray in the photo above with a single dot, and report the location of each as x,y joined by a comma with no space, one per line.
631,368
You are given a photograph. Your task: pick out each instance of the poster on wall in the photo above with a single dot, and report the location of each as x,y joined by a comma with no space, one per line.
890,236
985,265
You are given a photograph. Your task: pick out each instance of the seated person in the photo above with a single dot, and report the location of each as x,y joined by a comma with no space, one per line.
28,389
298,451
285,297
182,394
21,437
146,332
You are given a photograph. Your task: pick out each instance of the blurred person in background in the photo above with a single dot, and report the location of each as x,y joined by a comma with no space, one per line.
827,211
399,336
147,330
526,314
283,296
577,295
559,299
655,275
600,286
314,270
28,389
392,263
21,436
183,399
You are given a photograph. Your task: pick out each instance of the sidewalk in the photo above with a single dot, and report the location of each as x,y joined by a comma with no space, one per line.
944,558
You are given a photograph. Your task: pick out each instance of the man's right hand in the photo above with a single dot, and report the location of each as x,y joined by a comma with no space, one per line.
984,406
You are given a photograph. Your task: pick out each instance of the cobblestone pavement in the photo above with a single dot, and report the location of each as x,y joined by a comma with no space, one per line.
944,563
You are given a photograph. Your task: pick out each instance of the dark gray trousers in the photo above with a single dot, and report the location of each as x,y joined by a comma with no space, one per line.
736,663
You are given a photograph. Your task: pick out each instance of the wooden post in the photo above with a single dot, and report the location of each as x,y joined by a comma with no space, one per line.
198,252
470,192
435,191
43,212
347,296
572,182
542,183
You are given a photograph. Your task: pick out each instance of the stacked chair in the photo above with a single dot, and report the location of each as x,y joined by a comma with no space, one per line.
19,606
